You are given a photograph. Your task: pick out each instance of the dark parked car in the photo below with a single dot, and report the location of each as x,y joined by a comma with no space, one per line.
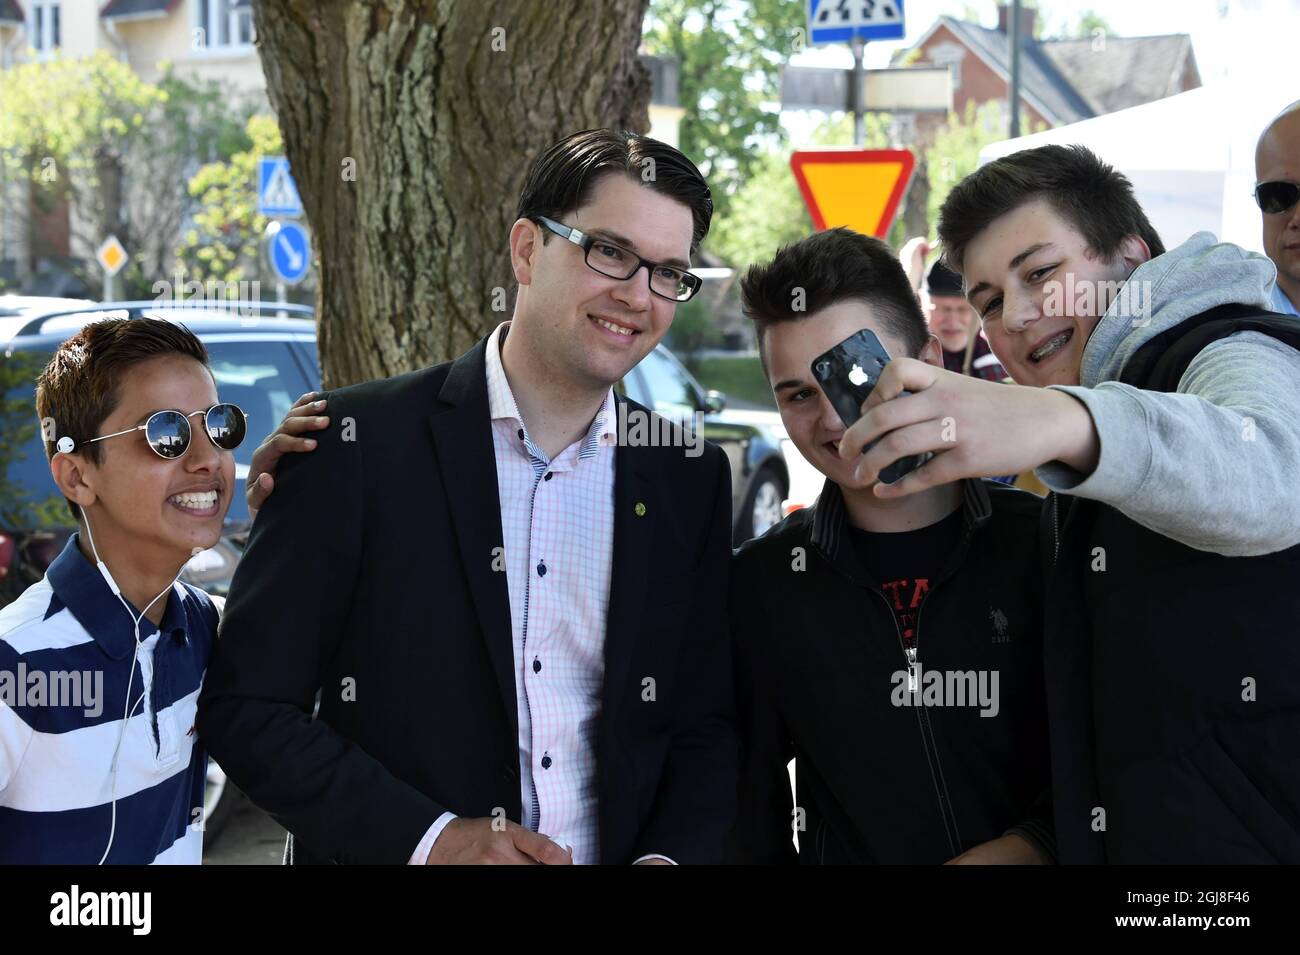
760,481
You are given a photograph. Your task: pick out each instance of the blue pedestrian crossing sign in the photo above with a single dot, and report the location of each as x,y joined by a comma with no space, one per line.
838,21
277,194
288,251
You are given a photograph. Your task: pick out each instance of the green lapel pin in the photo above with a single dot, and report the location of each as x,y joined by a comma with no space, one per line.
640,509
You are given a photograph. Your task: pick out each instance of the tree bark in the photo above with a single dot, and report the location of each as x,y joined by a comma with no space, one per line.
409,127
916,212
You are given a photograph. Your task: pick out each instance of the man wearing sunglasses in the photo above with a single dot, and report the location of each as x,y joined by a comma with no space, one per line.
515,620
1277,173
105,655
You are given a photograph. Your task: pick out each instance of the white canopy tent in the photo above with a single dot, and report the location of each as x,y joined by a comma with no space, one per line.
1191,157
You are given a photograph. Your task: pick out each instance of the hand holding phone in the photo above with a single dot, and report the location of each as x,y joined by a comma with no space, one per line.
847,374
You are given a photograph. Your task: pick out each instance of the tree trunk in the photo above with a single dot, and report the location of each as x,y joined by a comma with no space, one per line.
409,127
916,212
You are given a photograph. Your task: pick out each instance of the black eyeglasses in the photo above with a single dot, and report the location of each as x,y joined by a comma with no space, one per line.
168,432
1275,197
617,262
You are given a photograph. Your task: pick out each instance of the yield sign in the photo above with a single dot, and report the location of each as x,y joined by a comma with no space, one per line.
858,188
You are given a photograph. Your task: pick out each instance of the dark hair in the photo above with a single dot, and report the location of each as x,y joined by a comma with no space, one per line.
561,179
827,268
80,387
1086,192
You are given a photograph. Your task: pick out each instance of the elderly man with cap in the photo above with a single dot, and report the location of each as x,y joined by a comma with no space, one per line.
1277,191
949,315
957,327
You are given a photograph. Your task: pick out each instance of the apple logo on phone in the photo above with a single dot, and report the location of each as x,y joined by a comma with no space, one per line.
858,377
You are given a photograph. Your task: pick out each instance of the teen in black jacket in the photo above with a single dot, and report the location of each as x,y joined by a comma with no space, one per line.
818,649
894,651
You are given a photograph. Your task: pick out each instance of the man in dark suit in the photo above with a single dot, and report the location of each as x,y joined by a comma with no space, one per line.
510,598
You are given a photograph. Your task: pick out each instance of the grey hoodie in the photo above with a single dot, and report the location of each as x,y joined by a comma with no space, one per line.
1215,465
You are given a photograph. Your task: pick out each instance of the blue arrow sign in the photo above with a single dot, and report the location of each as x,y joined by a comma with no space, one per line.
277,193
838,21
288,251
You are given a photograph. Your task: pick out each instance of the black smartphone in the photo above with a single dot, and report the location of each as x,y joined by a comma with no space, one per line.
847,374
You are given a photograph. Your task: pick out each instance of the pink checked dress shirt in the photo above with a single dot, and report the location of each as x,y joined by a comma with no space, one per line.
557,518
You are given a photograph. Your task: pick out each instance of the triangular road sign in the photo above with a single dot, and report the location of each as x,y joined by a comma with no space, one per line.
858,188
280,191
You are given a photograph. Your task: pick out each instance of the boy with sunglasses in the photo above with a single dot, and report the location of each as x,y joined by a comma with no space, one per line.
101,661
1277,172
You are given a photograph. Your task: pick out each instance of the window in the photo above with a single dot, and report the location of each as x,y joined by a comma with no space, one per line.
949,55
43,26
263,378
223,24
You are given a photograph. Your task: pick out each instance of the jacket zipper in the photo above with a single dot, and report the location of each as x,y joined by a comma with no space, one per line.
1056,533
923,722
940,783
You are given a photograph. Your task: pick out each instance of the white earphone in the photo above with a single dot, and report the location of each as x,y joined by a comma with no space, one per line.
65,445
128,710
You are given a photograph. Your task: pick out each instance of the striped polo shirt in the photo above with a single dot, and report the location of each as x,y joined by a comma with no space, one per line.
66,648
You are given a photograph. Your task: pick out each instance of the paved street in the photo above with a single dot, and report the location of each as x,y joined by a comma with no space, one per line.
250,838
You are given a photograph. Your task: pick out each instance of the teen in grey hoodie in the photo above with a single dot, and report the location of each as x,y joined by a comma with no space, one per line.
1216,465
1164,409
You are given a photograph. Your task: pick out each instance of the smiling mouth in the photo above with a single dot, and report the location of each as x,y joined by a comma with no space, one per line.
196,503
1050,347
624,330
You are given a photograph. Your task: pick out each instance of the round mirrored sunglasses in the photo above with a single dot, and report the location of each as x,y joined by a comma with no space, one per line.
168,432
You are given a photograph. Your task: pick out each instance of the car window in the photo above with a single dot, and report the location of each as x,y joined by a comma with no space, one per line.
307,353
261,377
29,499
670,392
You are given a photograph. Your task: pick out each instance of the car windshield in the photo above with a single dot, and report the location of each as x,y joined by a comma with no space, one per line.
264,380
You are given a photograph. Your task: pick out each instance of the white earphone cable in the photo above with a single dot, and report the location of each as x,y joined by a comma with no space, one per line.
128,709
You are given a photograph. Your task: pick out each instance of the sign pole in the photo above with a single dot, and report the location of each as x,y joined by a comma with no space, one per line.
112,258
1013,35
856,84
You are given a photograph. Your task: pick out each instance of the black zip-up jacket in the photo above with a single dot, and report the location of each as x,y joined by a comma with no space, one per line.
817,649
1173,673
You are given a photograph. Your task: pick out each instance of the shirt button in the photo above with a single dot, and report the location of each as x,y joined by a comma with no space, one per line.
537,665
541,569
548,476
546,762
521,434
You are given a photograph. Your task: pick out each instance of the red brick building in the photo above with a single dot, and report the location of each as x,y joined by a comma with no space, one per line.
1062,81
